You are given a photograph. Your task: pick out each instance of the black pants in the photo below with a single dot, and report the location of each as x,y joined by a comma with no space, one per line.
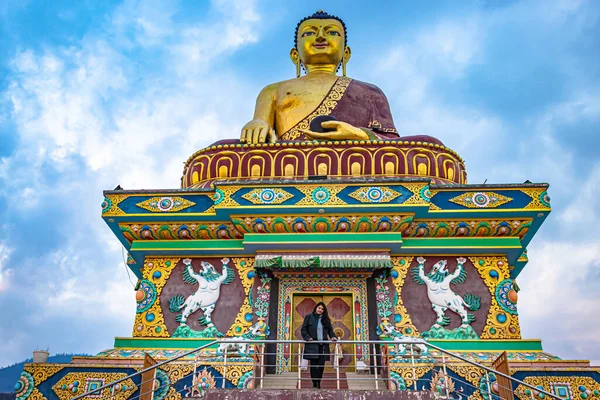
316,368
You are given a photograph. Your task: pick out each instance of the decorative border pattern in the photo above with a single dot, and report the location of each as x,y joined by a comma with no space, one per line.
110,205
327,105
224,196
539,199
75,383
480,200
165,204
582,387
33,375
267,196
469,228
406,373
234,372
243,320
421,194
318,223
321,195
375,194
296,285
401,319
178,230
500,324
176,372
151,323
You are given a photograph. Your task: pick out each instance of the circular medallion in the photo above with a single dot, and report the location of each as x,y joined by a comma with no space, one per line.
425,193
375,194
163,384
106,205
245,381
545,199
506,296
397,381
321,195
267,196
480,200
218,196
165,204
148,298
24,385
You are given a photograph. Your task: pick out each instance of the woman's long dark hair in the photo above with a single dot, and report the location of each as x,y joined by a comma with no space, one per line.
325,316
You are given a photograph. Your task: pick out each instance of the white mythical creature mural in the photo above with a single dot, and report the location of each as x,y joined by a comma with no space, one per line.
440,293
209,289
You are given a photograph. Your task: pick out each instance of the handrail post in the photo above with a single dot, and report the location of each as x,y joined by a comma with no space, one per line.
337,365
445,375
414,370
487,380
195,363
262,365
300,352
385,364
224,368
375,365
254,364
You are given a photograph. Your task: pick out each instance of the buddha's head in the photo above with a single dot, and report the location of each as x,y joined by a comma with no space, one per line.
320,39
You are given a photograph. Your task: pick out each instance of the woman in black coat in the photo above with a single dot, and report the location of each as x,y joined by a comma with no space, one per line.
316,327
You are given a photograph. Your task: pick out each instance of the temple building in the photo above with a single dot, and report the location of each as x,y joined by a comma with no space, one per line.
321,199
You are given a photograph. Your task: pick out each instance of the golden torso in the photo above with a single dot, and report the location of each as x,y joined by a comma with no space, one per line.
297,98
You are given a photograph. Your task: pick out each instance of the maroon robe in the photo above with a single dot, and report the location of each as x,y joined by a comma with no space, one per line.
358,103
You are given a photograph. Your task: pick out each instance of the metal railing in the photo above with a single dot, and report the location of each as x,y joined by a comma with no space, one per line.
383,354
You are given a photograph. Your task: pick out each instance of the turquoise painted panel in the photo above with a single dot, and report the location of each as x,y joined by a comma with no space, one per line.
519,200
202,203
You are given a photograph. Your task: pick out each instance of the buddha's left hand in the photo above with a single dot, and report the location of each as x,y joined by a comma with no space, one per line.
343,131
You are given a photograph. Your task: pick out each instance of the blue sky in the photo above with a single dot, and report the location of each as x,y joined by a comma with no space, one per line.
99,93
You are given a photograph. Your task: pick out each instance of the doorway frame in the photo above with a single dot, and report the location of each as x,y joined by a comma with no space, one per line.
325,283
352,296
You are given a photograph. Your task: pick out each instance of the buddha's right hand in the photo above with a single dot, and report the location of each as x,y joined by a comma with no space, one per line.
258,131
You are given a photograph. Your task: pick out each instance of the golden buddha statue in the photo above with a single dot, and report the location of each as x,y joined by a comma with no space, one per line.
285,110
320,106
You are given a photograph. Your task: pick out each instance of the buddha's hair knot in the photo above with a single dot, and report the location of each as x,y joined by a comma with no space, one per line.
321,15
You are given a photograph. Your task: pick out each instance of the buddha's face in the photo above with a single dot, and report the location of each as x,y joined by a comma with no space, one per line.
321,41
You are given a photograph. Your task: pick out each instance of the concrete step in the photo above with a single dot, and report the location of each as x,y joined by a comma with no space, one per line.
364,382
350,380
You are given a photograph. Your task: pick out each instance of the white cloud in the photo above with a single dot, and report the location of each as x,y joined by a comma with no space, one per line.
5,272
418,64
90,117
559,301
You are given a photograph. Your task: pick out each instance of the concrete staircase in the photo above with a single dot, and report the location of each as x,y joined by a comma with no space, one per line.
350,380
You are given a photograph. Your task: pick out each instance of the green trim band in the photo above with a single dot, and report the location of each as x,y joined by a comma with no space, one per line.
320,238
213,244
482,242
489,345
